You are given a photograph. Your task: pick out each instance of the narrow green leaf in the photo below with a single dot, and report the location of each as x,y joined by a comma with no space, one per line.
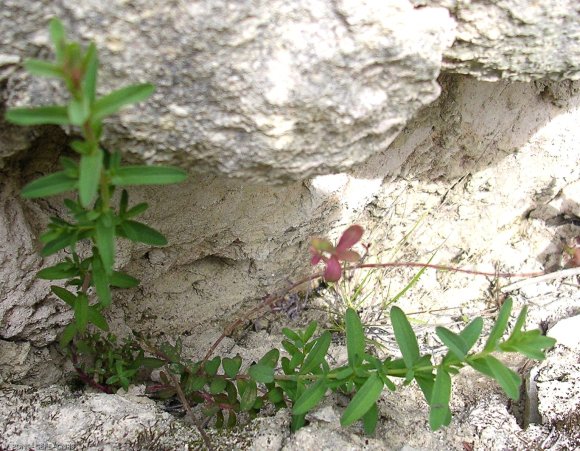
480,364
291,335
136,210
520,321
62,241
364,399
56,115
310,398
297,422
64,270
318,353
405,337
147,175
355,338
64,294
91,64
121,280
141,233
426,382
49,185
310,329
89,176
261,373
370,419
471,333
95,317
440,413
508,379
81,309
248,395
78,111
42,68
101,281
68,334
232,366
58,37
113,102
105,241
454,342
499,327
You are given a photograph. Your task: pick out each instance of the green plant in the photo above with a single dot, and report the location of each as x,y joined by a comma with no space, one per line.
95,177
303,378
300,379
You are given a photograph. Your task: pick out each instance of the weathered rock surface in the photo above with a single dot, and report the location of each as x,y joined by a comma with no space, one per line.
56,418
265,91
514,39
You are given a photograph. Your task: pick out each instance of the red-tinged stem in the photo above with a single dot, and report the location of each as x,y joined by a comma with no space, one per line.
271,299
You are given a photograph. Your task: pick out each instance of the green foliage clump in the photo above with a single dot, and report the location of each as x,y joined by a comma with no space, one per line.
95,177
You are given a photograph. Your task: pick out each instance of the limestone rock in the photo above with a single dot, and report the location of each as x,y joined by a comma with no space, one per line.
54,418
514,39
265,91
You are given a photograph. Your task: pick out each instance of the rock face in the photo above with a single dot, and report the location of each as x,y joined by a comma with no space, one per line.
514,39
265,91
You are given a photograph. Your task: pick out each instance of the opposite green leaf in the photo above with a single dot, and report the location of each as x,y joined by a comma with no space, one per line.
310,398
56,115
317,354
64,294
141,233
78,111
95,317
232,366
261,373
405,337
68,334
105,240
454,342
43,68
355,338
122,280
91,64
248,394
81,309
509,380
364,399
58,37
500,326
370,419
101,281
64,270
440,414
49,185
113,102
147,175
89,176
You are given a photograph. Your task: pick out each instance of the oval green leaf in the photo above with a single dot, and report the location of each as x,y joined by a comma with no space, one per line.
318,353
364,399
310,398
405,337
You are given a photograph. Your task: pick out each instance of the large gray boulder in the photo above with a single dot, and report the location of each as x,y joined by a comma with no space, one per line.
265,91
